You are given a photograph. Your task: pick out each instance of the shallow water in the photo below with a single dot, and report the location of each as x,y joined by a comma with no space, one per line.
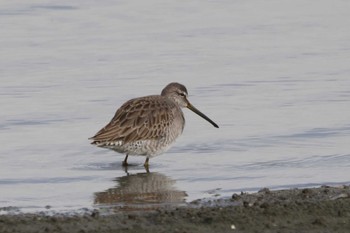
274,76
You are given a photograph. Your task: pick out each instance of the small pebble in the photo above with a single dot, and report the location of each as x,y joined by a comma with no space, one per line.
264,190
235,196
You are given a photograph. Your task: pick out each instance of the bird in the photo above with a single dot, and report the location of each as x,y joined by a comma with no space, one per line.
148,125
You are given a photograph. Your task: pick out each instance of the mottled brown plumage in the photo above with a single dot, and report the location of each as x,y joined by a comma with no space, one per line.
147,125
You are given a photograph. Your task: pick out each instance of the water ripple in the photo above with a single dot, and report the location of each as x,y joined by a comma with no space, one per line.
54,180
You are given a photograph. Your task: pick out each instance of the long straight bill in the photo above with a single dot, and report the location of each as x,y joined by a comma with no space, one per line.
191,107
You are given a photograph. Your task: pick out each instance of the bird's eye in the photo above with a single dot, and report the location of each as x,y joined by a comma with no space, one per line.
182,94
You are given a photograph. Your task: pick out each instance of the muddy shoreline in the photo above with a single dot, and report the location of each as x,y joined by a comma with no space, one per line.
323,209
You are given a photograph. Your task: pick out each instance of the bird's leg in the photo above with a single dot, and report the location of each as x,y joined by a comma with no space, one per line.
146,164
125,162
126,170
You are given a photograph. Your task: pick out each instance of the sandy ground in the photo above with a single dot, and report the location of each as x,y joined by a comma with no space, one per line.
324,209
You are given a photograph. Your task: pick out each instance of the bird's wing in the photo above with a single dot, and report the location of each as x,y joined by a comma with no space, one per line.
138,119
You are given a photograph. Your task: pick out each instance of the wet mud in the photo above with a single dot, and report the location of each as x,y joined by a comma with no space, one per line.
323,209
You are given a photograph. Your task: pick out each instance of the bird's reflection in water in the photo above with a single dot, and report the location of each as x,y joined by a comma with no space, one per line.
142,191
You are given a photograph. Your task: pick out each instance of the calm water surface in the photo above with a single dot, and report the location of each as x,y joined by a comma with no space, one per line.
274,75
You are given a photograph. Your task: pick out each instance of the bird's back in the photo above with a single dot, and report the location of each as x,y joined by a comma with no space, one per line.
144,126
